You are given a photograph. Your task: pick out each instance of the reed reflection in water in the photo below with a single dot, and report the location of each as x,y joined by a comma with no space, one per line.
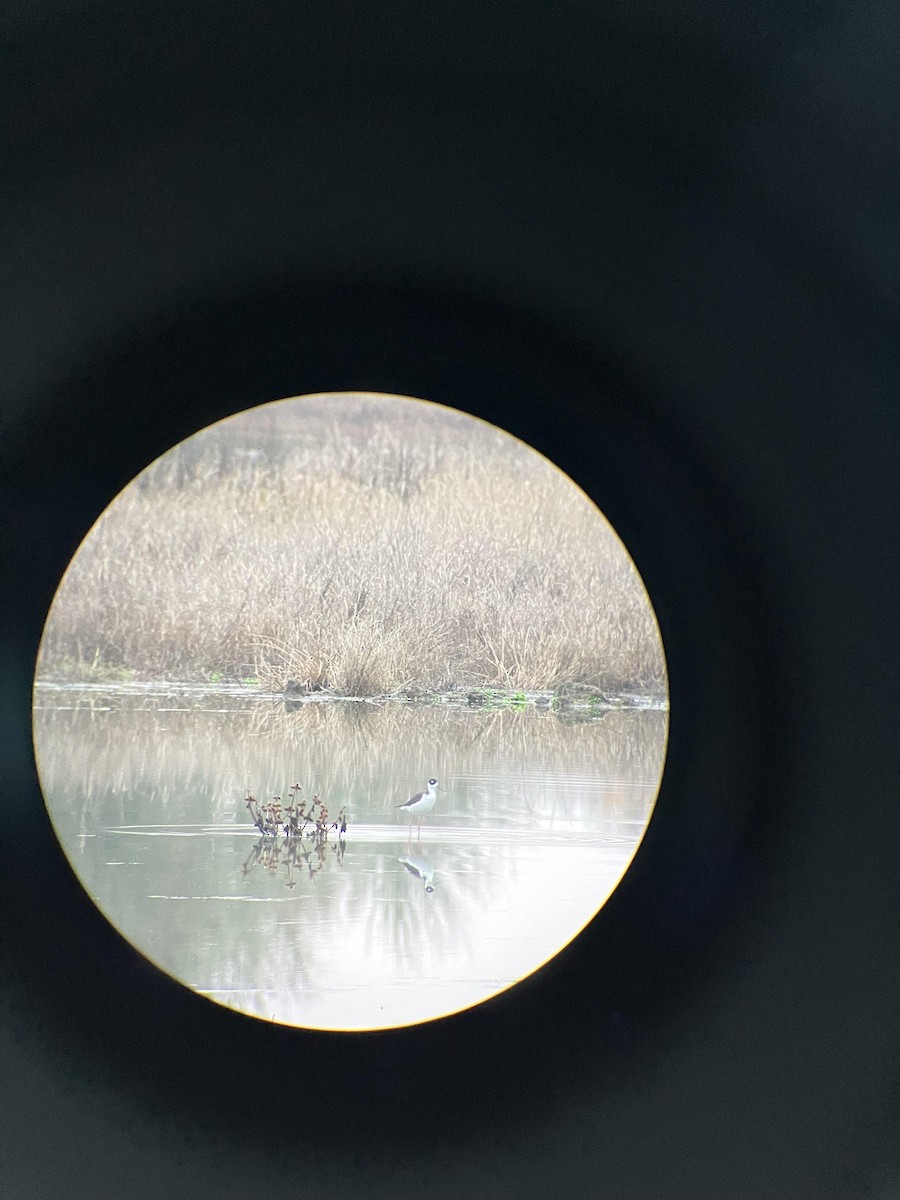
538,822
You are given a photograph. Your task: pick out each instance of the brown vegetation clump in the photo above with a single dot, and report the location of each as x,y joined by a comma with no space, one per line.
360,545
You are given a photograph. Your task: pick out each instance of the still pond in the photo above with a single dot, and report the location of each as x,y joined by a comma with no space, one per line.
539,817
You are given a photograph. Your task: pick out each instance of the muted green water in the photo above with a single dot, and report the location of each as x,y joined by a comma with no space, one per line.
540,817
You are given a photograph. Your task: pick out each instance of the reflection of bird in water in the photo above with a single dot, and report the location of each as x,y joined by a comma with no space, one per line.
421,868
421,804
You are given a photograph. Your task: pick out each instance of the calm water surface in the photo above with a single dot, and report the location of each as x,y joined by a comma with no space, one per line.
541,816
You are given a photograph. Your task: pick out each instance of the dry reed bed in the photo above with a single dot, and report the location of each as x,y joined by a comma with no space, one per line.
362,548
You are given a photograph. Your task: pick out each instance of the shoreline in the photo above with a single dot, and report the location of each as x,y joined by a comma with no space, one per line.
577,697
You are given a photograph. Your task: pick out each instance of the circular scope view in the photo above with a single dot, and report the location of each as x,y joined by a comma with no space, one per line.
350,711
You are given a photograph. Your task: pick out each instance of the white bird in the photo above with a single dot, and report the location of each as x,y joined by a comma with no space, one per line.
421,804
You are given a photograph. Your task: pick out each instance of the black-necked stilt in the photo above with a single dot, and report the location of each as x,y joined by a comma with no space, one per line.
421,803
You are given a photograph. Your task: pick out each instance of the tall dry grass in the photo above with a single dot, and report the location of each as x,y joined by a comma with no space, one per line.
363,545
